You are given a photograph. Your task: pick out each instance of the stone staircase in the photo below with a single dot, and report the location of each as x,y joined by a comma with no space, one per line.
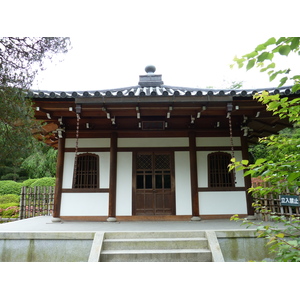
170,246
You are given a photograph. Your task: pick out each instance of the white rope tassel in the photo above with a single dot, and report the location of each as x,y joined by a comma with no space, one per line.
76,147
230,132
231,142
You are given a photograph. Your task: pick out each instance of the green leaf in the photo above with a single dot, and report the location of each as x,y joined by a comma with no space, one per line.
280,40
270,66
284,50
293,176
280,235
251,55
245,162
296,87
295,43
260,47
270,41
283,81
260,161
250,64
263,56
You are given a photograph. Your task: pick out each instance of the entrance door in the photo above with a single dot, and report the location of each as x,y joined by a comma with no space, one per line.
153,186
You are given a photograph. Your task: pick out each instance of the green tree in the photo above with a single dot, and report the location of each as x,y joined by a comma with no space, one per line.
41,163
280,169
20,61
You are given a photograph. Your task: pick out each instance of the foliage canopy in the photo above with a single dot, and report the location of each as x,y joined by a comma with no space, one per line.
20,61
282,168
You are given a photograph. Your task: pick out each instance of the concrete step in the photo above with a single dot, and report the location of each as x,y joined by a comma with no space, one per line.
167,255
155,243
159,246
154,234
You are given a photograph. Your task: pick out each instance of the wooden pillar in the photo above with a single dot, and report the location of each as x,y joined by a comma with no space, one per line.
194,177
59,179
247,179
113,178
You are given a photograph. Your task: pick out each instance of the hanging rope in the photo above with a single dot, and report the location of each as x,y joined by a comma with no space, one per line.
231,137
231,142
76,149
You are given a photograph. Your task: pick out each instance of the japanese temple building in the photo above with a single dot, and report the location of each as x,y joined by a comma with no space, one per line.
152,151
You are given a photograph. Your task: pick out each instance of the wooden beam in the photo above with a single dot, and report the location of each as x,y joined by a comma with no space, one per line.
113,177
59,178
247,179
194,177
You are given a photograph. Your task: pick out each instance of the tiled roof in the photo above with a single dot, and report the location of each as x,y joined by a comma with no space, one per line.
152,85
162,90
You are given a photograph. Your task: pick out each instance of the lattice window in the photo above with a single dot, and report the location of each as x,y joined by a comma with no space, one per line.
87,171
218,174
144,161
162,161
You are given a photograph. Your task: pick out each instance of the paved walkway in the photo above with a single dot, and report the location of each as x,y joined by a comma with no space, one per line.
44,223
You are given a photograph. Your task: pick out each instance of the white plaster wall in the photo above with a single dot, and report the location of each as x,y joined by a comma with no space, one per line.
153,142
104,158
124,184
182,183
217,141
214,203
203,172
84,204
92,143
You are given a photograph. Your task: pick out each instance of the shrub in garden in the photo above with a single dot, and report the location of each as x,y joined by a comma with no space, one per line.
9,198
45,181
11,212
29,182
10,176
10,187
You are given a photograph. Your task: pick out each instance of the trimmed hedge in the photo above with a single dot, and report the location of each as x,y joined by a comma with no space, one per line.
10,187
9,210
45,181
29,182
10,198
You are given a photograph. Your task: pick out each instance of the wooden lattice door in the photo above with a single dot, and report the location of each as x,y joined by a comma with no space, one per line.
153,187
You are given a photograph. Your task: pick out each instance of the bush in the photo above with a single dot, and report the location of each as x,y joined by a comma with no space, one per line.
7,205
11,212
10,187
45,181
10,176
9,198
29,182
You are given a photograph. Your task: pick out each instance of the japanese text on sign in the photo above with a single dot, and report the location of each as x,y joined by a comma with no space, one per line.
289,200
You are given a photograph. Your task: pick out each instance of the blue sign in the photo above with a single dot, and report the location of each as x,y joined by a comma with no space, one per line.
289,200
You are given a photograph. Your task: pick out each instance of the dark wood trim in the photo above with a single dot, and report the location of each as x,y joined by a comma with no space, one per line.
217,217
222,148
88,149
128,218
59,177
85,190
186,218
113,175
194,176
247,179
223,189
129,149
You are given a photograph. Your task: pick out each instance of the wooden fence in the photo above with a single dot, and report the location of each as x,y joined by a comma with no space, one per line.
271,202
37,201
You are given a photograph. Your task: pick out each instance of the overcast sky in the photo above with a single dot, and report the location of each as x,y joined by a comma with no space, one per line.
191,43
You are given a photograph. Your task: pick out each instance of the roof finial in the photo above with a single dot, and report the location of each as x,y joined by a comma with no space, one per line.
150,69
